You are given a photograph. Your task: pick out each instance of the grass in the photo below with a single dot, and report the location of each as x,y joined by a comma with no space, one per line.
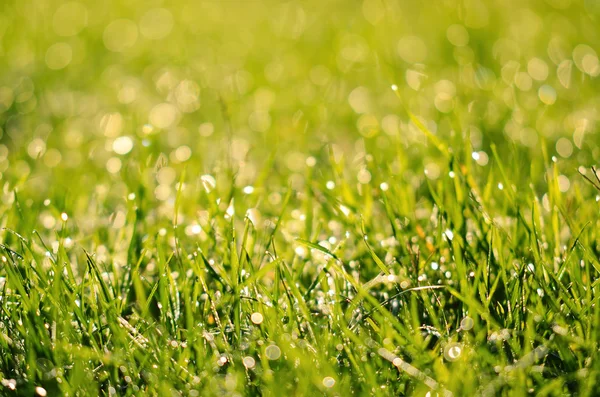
264,198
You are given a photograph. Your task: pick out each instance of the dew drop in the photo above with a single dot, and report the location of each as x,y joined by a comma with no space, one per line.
328,381
256,318
273,352
467,323
208,182
249,362
449,235
452,351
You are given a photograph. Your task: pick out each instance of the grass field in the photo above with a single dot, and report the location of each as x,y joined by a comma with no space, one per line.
336,198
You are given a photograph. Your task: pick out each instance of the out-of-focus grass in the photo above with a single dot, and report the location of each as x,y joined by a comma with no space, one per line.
228,197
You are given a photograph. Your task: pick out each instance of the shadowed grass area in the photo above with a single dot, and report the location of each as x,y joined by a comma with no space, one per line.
299,198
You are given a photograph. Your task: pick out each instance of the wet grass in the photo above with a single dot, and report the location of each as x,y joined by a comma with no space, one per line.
233,198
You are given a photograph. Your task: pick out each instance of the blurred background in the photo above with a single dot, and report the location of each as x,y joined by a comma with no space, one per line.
101,98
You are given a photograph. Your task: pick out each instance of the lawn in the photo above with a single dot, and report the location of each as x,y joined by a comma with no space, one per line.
306,198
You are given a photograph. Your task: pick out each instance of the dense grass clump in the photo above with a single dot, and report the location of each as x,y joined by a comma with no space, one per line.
299,198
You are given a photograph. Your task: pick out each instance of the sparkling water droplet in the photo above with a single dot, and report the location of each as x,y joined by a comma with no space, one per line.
256,318
209,182
449,235
452,351
328,382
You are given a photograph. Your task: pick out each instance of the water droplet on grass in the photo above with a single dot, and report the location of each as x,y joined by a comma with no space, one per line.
345,210
449,235
328,382
467,323
452,351
273,352
256,318
208,182
249,362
